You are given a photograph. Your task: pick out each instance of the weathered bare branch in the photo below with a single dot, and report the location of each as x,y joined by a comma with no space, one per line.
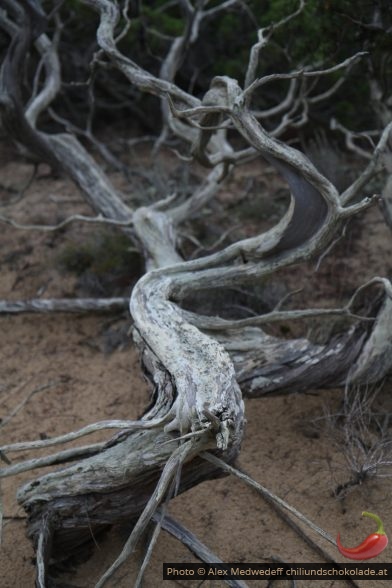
282,508
221,7
77,305
55,458
307,227
193,543
87,430
148,554
52,82
99,219
286,103
350,136
303,73
370,169
199,199
61,151
170,470
102,149
264,492
141,78
195,376
263,37
217,324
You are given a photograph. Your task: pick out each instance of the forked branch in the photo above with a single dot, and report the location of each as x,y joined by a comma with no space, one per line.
195,364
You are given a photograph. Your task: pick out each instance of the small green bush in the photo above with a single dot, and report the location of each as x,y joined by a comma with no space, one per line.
108,258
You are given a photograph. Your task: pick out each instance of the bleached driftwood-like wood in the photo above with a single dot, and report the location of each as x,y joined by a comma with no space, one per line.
266,493
77,305
87,430
100,220
195,371
193,543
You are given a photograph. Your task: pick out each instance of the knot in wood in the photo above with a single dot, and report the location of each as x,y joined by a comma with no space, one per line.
224,91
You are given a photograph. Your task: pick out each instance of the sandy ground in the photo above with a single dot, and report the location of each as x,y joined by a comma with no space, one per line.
58,370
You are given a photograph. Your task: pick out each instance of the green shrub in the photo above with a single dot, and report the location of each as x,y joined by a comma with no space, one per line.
107,257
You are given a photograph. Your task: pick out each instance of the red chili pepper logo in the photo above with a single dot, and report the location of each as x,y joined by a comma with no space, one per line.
372,546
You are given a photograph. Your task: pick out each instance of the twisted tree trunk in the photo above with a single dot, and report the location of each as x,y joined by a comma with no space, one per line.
196,365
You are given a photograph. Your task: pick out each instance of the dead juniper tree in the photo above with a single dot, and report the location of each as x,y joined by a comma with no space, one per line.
199,366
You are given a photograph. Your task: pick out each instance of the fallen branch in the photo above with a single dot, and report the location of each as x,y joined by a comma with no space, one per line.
195,378
190,540
148,554
93,428
54,459
74,218
172,466
270,495
281,506
75,305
